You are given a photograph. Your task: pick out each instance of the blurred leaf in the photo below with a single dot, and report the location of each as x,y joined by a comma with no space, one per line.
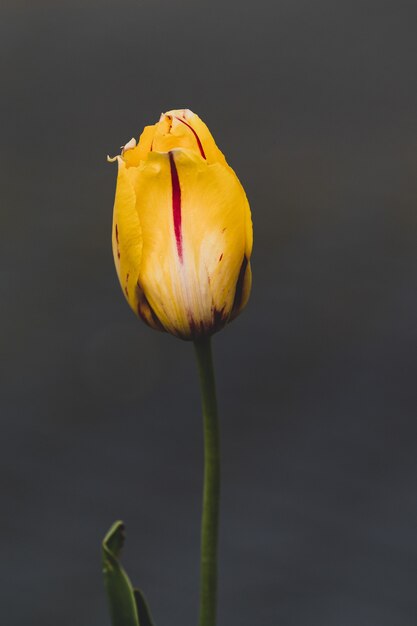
145,618
127,605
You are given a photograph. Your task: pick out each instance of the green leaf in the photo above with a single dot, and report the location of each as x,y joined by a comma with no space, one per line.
145,618
127,605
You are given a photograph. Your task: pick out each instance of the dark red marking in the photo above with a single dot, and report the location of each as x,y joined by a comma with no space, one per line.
143,304
219,319
197,329
239,287
221,256
176,204
200,145
117,240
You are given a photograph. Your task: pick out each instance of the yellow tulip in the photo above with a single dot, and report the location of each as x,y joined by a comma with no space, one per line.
182,230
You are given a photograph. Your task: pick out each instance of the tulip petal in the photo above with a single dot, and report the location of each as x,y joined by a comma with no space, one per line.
193,292
181,128
211,150
133,156
127,244
126,234
249,232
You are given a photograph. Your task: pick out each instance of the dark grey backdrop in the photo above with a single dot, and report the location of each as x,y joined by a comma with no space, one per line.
314,104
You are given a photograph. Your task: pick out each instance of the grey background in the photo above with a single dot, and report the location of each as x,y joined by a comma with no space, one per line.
314,104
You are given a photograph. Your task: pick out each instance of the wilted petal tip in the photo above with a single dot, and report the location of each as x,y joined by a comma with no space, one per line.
129,145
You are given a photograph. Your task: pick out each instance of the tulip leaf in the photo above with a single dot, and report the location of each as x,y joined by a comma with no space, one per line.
144,614
127,605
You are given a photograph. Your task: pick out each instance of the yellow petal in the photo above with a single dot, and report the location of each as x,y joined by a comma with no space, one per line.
190,281
126,235
249,232
134,155
127,244
181,128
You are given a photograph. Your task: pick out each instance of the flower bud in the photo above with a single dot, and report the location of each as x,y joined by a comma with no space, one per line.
182,230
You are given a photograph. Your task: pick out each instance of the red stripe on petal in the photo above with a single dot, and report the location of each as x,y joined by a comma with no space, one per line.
176,204
200,145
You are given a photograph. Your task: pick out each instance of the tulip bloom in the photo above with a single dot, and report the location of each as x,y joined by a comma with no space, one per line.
182,230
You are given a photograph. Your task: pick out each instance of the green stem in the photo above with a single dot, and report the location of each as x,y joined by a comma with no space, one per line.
211,492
